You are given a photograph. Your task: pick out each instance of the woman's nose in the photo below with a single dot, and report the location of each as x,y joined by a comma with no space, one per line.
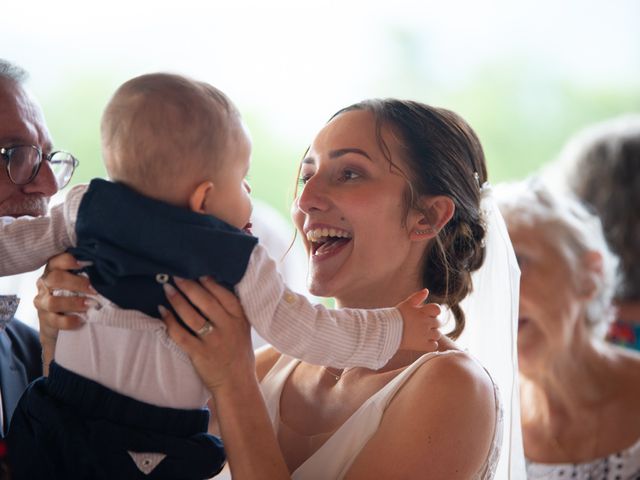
313,196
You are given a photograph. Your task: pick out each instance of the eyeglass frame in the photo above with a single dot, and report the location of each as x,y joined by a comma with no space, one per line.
4,152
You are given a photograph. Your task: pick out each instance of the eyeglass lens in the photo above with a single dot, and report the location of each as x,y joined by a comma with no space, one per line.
62,166
24,161
23,164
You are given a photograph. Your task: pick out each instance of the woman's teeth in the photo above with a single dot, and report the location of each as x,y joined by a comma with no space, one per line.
318,233
325,240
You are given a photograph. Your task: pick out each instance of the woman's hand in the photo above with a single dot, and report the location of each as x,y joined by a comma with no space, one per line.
57,312
222,352
223,356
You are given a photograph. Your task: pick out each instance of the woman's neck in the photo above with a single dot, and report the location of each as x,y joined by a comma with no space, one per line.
378,296
576,380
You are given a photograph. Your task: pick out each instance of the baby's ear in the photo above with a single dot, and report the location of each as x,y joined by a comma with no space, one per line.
198,198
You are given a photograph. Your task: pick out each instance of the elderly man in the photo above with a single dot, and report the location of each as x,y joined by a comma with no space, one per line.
27,181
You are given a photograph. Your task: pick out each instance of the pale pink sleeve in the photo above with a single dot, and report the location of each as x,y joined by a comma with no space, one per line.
26,243
293,325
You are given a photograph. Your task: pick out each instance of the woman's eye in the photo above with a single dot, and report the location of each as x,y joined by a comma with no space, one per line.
349,175
303,179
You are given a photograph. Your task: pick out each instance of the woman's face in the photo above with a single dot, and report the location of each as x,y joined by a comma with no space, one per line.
551,308
350,213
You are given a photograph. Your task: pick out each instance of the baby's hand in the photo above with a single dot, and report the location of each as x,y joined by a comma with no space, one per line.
420,323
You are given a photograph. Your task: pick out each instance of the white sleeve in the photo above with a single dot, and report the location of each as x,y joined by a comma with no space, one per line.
293,325
26,243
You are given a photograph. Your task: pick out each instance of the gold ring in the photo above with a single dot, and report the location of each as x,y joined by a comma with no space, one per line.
206,329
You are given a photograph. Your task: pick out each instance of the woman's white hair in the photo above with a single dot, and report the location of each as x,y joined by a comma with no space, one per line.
574,230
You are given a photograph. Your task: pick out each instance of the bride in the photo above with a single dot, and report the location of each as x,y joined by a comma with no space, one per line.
400,184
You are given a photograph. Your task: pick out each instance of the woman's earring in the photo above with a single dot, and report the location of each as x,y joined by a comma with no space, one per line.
427,230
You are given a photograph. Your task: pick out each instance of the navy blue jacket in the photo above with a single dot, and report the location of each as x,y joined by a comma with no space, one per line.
20,364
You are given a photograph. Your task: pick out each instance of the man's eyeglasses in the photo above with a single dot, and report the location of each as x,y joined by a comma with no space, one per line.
24,162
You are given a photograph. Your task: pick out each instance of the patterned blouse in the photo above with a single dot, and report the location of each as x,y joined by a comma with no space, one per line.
623,465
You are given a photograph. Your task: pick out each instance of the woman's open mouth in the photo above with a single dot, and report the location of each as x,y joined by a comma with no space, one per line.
324,241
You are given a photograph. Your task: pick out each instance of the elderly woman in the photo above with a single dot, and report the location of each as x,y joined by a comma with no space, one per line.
580,396
602,167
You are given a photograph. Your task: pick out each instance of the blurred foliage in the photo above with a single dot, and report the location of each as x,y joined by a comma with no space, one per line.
521,114
523,122
73,113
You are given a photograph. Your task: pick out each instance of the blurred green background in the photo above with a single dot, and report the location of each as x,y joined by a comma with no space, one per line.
526,75
522,125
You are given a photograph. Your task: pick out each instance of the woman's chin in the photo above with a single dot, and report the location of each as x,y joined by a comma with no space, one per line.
320,288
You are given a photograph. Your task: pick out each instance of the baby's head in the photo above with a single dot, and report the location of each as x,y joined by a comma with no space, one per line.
179,141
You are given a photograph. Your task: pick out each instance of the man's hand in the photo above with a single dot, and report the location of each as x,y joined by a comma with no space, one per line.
57,312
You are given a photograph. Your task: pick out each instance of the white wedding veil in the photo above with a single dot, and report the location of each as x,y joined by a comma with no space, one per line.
490,333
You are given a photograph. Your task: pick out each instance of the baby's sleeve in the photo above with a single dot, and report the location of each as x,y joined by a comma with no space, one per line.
292,324
26,243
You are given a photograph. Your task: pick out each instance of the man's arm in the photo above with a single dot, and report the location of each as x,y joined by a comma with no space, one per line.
26,243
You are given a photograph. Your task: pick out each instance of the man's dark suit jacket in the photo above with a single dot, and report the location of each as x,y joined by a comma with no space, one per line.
20,364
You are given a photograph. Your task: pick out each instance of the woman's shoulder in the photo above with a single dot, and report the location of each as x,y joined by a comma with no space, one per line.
449,399
457,374
266,358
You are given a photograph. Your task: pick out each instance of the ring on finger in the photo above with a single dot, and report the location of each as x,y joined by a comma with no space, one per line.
205,330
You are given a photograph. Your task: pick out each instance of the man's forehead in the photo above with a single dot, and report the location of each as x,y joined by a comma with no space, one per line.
21,119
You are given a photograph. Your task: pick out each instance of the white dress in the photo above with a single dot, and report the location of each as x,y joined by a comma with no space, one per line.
623,465
340,448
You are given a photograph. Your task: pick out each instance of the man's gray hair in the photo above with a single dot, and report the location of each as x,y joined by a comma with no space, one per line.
13,72
574,230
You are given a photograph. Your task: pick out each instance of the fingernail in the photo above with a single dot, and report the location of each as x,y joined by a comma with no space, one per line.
91,303
93,290
204,278
163,311
84,263
169,290
178,279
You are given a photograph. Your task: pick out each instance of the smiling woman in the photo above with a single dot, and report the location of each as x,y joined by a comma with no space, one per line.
389,203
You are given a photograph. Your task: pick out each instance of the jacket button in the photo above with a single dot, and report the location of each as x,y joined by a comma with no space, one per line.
162,278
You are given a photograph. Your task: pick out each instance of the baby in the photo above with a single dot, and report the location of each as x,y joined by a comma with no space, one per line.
121,398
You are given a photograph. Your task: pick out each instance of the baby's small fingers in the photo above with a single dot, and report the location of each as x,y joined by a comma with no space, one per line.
432,309
433,322
434,334
431,346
